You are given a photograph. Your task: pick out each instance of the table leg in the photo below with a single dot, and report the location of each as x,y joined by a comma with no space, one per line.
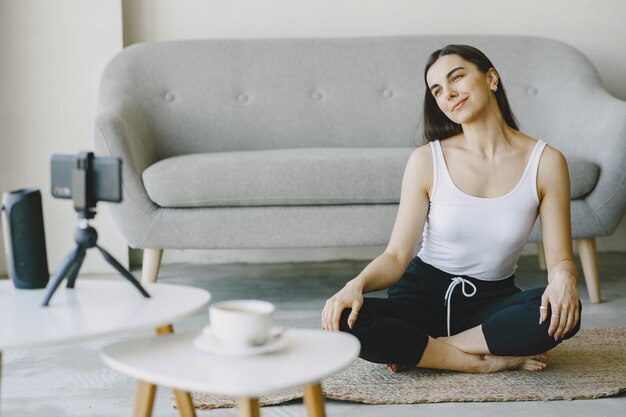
314,400
183,398
144,399
167,329
249,407
185,404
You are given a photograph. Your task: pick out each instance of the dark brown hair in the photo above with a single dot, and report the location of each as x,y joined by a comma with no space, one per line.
436,124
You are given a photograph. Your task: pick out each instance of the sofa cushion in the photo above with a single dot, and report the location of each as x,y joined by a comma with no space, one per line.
308,176
583,177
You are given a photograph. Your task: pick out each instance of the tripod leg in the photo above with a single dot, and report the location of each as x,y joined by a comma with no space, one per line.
72,274
60,274
115,264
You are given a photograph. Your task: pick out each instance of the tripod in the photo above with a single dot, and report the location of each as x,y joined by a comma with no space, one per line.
85,235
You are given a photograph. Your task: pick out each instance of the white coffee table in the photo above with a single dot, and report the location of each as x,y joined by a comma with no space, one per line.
172,361
93,308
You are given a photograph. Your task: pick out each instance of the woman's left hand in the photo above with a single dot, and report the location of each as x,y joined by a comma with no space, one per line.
562,296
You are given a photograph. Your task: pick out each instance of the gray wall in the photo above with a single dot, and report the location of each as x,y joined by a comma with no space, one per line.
52,53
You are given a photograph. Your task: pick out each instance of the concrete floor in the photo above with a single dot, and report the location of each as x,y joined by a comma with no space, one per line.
71,380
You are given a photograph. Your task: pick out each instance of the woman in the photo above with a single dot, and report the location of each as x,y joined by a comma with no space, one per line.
474,193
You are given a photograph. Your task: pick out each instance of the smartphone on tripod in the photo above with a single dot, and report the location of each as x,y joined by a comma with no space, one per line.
106,175
86,179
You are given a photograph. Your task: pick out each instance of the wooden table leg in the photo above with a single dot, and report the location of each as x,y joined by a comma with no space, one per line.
183,398
249,407
167,329
314,400
185,404
144,399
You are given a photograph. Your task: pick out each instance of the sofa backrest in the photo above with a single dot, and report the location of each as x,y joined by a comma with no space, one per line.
229,95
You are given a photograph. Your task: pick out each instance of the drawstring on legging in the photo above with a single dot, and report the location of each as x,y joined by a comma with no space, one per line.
448,297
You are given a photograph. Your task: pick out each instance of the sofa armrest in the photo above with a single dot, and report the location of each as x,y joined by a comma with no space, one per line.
125,135
607,148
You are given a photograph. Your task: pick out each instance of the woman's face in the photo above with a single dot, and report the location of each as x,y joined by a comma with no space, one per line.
460,89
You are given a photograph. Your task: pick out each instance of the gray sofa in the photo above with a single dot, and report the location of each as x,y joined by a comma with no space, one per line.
297,143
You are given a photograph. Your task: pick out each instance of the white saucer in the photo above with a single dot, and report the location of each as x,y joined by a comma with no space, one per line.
206,342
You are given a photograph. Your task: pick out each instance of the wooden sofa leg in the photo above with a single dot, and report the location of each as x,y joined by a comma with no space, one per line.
541,255
150,265
589,260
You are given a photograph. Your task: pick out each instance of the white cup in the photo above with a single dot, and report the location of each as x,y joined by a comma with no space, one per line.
241,323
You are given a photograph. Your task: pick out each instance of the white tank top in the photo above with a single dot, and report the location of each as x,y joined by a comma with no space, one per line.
474,236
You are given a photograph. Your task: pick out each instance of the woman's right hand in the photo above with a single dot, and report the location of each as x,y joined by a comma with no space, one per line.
350,296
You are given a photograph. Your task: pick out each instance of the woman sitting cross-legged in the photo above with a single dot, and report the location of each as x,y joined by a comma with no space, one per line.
473,193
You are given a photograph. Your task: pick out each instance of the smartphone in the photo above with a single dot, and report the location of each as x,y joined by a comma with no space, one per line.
106,174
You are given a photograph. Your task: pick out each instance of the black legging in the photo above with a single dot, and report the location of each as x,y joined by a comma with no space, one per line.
395,330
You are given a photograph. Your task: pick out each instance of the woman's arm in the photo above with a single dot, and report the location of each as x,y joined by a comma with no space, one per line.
554,209
387,268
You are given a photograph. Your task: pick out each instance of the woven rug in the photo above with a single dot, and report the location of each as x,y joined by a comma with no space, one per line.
590,365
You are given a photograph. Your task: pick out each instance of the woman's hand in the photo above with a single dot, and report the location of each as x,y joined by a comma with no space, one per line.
562,296
350,296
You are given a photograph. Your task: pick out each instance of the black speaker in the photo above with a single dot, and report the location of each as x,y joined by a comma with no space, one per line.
24,238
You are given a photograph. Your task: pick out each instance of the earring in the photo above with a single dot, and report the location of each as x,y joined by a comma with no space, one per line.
495,89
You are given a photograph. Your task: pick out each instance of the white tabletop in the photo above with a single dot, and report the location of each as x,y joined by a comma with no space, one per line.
172,361
93,308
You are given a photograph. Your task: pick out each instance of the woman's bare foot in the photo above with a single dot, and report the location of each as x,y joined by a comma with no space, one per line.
441,355
491,363
393,368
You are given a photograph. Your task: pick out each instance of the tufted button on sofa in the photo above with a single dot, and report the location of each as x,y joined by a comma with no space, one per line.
284,143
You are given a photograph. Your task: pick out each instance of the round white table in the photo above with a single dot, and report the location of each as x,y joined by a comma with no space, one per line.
93,308
173,361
